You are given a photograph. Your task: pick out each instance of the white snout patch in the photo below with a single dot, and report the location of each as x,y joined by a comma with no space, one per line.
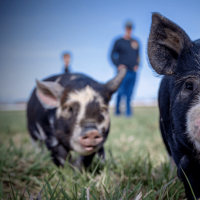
193,125
84,97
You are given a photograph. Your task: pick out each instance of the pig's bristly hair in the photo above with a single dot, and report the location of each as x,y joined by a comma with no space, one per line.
180,79
189,65
193,73
196,60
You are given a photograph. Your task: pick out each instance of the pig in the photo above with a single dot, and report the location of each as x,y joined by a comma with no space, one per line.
69,112
172,53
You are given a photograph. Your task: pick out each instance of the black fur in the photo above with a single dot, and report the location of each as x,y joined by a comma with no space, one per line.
179,90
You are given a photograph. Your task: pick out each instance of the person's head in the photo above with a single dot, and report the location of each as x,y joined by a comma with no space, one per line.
66,59
128,28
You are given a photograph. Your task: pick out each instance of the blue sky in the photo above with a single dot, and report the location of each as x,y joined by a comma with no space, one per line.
34,33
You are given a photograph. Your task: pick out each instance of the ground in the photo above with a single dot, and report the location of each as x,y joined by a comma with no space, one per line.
136,164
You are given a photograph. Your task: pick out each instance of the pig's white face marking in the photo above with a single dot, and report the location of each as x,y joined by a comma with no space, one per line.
83,98
193,124
106,121
59,112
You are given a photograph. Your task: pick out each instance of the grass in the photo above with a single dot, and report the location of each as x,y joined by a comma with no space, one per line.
136,164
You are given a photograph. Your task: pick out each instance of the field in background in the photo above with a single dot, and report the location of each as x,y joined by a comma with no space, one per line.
136,165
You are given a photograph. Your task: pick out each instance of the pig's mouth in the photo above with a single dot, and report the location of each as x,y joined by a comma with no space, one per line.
91,140
88,148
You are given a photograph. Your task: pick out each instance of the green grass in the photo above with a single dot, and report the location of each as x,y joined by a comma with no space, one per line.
136,164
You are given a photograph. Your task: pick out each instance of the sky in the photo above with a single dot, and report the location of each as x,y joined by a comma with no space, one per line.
35,33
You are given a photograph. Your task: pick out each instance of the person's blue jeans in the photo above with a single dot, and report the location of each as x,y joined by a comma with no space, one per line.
126,89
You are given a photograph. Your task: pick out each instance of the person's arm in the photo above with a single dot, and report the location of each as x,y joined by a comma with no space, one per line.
115,55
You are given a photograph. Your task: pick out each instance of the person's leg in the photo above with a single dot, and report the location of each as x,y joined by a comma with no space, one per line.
117,110
128,106
129,91
120,93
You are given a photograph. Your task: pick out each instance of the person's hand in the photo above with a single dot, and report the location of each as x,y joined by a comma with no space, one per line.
121,66
135,68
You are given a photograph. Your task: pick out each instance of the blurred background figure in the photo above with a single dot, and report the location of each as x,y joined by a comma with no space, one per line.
125,53
66,59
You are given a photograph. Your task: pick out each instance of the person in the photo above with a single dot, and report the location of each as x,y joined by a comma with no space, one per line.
66,59
125,53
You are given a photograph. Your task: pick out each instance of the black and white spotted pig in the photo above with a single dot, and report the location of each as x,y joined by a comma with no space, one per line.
172,54
70,112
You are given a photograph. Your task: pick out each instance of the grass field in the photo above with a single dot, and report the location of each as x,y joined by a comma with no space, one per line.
136,164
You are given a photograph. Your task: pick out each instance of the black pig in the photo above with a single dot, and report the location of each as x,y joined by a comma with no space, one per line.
70,112
172,53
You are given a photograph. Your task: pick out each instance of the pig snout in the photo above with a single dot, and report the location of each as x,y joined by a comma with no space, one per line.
90,140
197,127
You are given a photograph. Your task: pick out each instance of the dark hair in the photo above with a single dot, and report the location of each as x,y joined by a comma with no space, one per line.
129,24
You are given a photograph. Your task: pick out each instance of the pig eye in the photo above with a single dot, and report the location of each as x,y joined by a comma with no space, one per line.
68,108
189,86
104,109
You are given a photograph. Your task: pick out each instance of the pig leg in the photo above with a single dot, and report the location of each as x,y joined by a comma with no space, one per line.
84,161
101,154
87,160
35,132
59,155
191,168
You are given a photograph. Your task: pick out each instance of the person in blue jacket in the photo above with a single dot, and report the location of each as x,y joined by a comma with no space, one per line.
125,53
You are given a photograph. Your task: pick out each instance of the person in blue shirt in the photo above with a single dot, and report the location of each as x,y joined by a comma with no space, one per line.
125,53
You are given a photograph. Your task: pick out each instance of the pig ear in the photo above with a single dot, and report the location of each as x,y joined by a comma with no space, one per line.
49,93
167,41
114,83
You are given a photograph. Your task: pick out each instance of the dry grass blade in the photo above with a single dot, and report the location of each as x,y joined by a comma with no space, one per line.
165,187
31,198
24,193
124,194
88,193
139,196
